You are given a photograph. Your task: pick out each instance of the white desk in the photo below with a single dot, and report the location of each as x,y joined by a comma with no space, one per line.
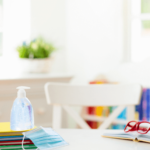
80,139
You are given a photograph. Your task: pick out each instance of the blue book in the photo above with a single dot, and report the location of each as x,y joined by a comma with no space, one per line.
122,114
117,126
148,105
137,108
140,107
12,138
144,105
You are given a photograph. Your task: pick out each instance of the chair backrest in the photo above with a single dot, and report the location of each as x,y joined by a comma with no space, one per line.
92,95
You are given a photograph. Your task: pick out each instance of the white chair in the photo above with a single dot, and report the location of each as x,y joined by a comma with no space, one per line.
66,95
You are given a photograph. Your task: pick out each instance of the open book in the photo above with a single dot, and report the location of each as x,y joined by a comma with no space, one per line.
134,136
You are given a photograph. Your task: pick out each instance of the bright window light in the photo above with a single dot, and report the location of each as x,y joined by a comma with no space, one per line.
140,30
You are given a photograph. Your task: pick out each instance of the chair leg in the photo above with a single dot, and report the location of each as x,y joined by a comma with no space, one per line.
56,118
79,120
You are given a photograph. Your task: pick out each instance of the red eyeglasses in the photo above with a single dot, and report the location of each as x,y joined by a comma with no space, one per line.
141,127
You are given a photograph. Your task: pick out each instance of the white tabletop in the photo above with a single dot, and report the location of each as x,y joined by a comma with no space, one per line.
81,139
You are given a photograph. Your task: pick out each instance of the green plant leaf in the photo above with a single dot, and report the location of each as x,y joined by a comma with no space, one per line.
39,48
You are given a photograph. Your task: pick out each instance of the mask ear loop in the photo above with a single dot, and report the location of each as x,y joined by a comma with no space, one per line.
23,141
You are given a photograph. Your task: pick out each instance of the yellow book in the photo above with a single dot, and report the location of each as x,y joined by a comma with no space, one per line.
136,116
5,130
99,111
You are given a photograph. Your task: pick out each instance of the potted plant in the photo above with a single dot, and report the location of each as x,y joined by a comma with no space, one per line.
37,54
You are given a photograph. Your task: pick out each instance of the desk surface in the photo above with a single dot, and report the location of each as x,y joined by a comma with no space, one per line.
81,139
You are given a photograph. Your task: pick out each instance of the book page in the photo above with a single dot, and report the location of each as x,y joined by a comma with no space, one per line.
121,134
144,137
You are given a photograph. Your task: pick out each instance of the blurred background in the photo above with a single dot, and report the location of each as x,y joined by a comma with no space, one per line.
75,41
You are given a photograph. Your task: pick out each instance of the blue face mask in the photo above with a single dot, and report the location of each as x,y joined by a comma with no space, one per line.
45,138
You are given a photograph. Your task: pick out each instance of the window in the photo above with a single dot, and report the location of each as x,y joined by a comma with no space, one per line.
1,25
140,30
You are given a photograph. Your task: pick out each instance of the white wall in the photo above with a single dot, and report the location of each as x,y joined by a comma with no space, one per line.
27,19
131,73
94,31
16,29
87,33
48,19
94,37
16,24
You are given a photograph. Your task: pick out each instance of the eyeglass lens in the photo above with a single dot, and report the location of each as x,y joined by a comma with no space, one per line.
143,127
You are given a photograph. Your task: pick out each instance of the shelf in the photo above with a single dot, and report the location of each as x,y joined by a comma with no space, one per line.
33,76
101,119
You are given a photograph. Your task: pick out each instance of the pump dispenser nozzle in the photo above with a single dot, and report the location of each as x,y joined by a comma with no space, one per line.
21,91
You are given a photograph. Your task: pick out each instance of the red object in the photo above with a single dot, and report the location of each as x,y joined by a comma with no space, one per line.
92,82
137,126
89,123
91,110
15,142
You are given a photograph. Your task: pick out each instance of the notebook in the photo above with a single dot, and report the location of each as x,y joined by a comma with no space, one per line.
25,142
12,138
134,136
16,147
6,131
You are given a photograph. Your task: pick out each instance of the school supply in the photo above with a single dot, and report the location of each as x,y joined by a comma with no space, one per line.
134,130
10,139
142,127
101,111
18,147
142,111
16,142
134,136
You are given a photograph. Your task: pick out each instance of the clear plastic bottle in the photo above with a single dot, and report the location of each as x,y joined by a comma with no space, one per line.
22,112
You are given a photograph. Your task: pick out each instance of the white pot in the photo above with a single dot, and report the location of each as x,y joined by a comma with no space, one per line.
38,65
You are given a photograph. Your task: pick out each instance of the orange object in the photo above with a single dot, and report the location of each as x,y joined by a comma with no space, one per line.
94,125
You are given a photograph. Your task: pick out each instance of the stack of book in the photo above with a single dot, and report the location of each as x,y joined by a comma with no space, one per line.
12,140
143,109
102,111
142,112
97,111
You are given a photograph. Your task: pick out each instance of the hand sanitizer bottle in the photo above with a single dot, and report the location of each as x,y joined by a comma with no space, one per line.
22,112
